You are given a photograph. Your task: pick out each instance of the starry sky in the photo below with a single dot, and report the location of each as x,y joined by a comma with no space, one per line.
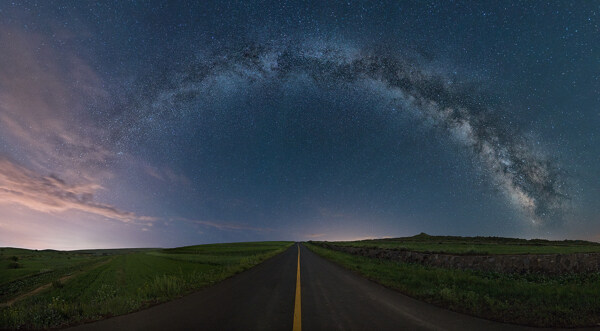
163,123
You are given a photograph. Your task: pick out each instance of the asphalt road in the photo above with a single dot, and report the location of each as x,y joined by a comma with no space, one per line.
263,298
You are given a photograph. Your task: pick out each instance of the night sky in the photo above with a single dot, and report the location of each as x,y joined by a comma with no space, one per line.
129,124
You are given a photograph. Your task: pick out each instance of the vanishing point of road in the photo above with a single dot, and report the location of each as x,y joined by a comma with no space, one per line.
296,290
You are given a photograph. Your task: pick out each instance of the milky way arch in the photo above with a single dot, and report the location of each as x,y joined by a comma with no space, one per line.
530,181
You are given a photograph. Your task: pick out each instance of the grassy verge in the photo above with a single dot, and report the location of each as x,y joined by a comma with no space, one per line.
477,245
132,281
565,301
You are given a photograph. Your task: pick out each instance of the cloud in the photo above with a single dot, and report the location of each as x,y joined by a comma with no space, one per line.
223,226
167,174
153,172
315,235
50,194
45,98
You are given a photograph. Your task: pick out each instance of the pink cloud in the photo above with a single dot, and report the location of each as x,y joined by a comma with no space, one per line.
44,96
51,194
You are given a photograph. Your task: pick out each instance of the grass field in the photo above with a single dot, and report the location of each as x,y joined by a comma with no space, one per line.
23,270
477,245
113,282
567,301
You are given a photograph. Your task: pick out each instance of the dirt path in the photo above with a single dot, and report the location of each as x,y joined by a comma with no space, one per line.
44,287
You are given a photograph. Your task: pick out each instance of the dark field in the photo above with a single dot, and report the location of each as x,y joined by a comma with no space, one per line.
89,285
530,299
47,289
477,245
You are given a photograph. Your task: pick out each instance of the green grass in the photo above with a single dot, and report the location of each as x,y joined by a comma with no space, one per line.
133,280
565,301
477,245
36,268
32,262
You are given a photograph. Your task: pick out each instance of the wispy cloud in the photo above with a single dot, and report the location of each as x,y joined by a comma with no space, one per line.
315,235
223,225
54,159
44,96
167,174
51,194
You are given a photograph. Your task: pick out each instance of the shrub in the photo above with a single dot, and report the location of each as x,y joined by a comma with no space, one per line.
57,283
14,265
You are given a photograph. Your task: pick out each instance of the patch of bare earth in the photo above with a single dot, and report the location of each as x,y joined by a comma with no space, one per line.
44,287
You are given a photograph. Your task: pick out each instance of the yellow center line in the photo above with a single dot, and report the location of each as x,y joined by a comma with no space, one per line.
298,302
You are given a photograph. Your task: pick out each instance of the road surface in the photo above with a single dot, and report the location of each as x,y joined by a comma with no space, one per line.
266,298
